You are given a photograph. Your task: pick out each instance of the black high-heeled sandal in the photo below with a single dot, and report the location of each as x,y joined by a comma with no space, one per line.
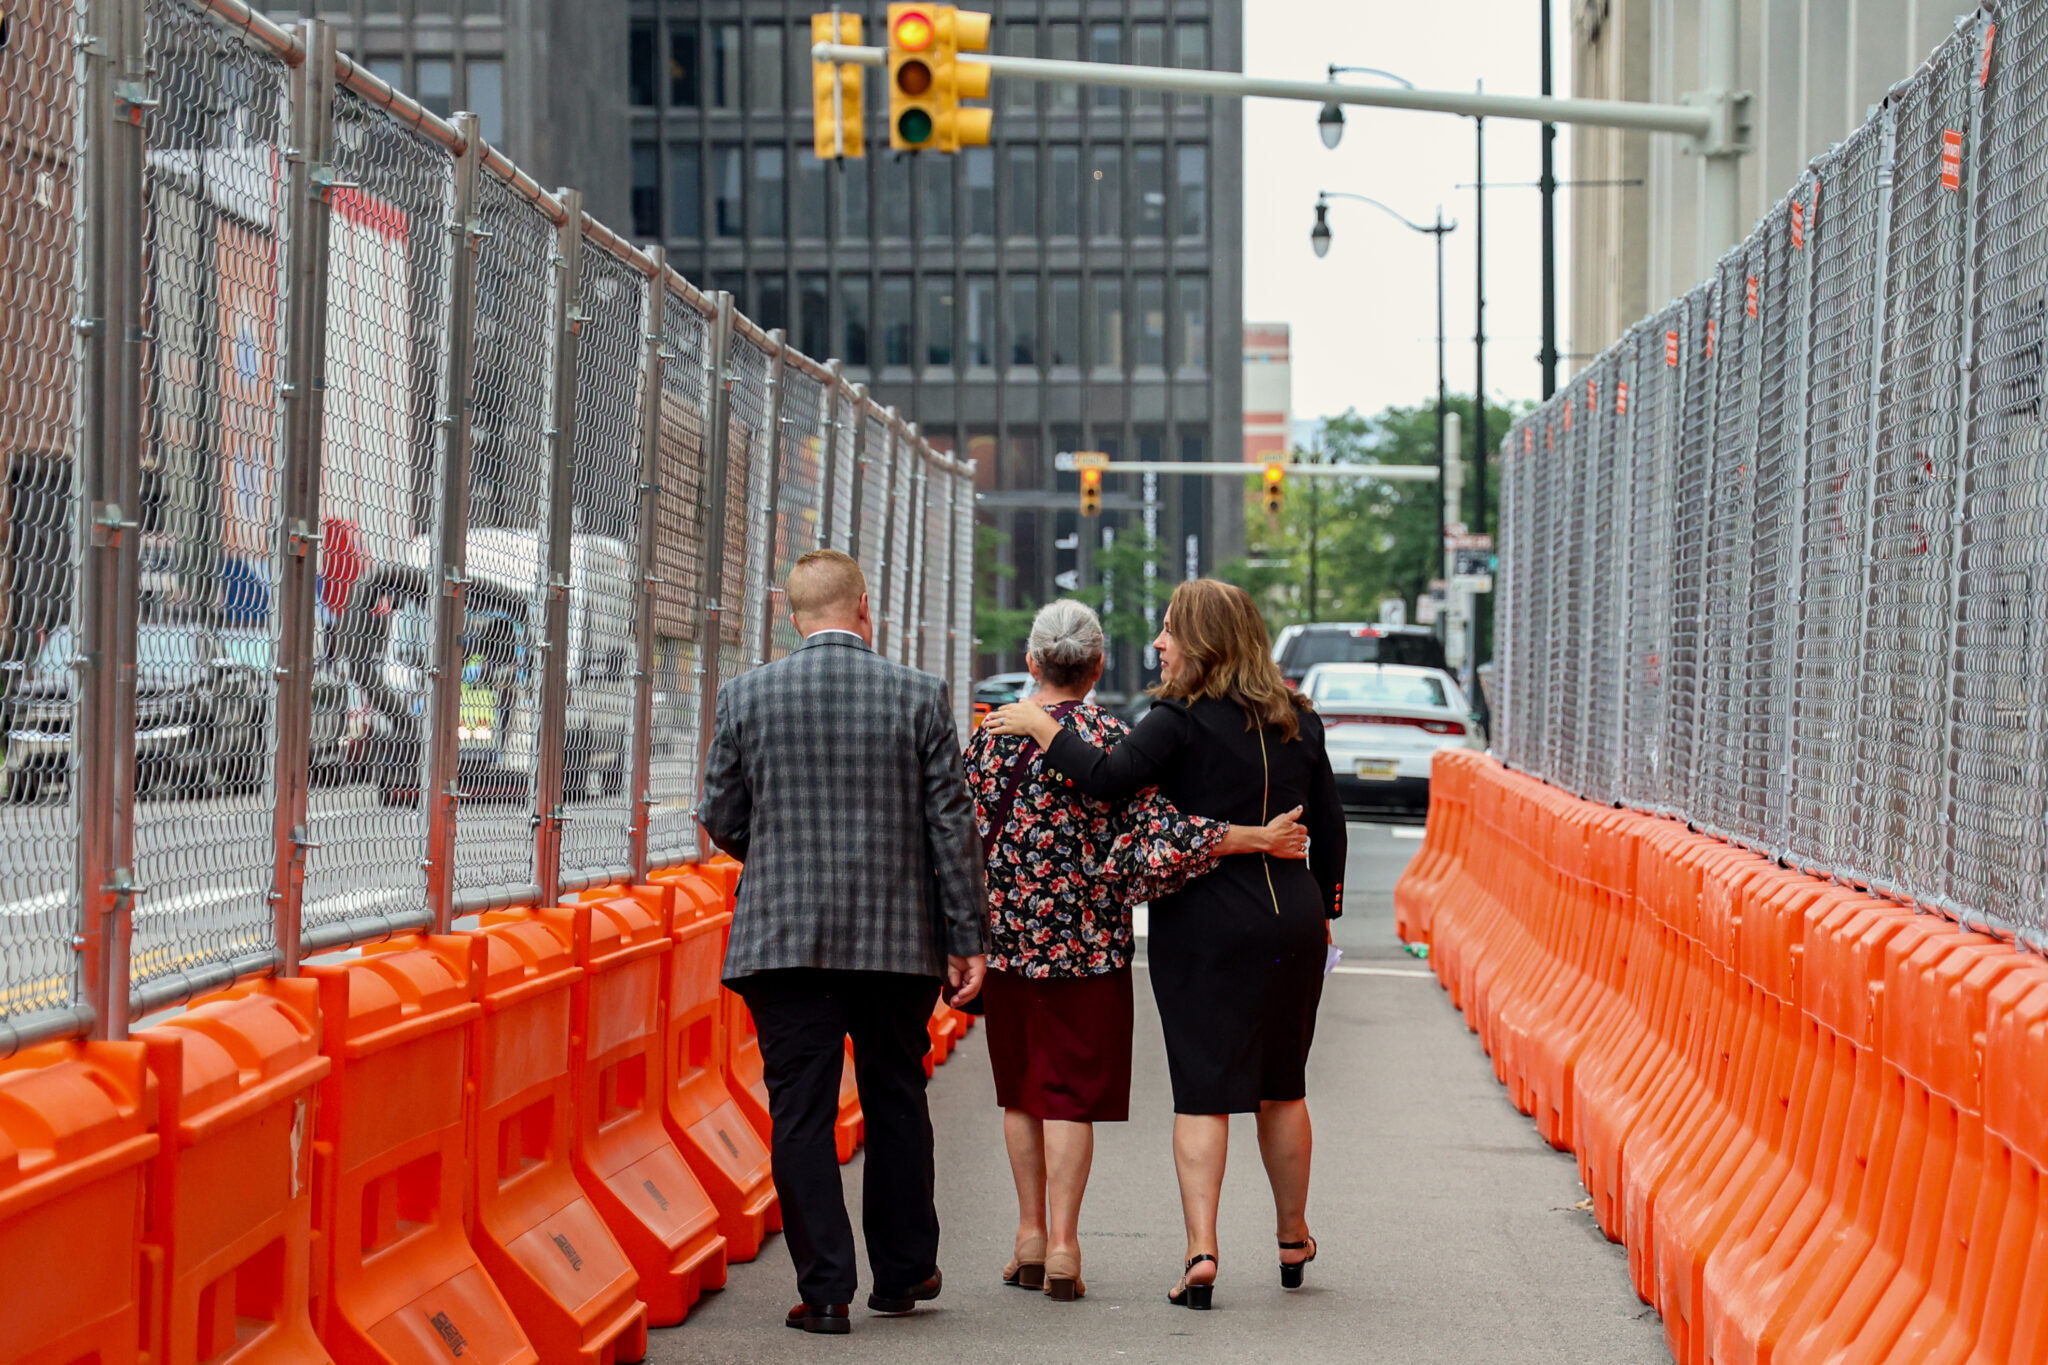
1290,1272
1193,1295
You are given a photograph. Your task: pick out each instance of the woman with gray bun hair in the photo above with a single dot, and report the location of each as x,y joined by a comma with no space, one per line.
1063,874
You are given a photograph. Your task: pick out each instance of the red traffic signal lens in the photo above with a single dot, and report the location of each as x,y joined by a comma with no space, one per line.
1274,473
914,31
913,78
1091,478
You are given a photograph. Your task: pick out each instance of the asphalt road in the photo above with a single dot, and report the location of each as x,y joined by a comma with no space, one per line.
1448,1228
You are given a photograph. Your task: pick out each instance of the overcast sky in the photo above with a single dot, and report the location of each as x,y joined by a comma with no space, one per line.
1364,318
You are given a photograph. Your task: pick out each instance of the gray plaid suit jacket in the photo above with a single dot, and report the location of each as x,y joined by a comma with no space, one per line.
836,777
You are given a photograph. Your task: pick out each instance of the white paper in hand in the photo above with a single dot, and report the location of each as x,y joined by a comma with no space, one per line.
1333,956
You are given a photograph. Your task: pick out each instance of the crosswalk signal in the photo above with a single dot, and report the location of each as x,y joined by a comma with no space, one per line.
960,31
1091,492
836,90
1276,477
913,77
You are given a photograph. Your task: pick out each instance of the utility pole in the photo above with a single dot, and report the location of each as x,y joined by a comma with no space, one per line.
1548,184
1478,522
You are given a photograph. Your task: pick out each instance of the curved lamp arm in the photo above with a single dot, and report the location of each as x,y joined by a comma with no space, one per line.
1319,235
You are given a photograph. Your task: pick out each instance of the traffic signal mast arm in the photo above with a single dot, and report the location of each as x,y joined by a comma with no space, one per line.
1228,469
1713,122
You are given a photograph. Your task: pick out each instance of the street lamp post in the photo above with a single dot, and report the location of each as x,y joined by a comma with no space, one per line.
1330,122
1319,236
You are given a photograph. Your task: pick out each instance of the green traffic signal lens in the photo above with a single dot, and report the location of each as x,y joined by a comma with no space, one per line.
914,126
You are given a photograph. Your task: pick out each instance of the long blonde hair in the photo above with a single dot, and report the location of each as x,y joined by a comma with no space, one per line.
1225,654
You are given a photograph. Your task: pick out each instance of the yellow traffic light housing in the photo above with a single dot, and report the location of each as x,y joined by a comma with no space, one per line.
1091,492
913,77
962,31
836,90
1275,478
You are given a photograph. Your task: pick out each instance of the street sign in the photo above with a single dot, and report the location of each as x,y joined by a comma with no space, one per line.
1458,538
1090,459
1393,611
1069,581
1472,582
1475,561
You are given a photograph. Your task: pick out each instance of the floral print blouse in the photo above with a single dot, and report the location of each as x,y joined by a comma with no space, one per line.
1065,870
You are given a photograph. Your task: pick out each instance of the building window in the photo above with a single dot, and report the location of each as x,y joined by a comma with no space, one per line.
1108,351
390,70
1191,50
938,320
981,321
1020,211
1105,191
729,193
1192,182
646,189
1148,48
771,192
1063,44
853,319
764,74
640,64
895,319
1020,40
979,166
487,98
1106,46
436,86
1024,321
812,216
682,66
1019,467
1151,331
853,200
893,191
1148,174
1194,322
1065,337
685,190
1066,191
771,301
938,198
725,66
814,314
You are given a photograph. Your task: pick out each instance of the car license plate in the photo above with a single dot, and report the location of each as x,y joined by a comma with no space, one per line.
1375,769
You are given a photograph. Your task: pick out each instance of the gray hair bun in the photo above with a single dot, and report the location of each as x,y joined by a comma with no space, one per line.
1066,635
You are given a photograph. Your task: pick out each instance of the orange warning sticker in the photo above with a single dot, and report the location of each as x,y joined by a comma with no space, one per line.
1750,306
1621,399
1951,159
1671,349
1984,70
1592,395
1798,226
1710,338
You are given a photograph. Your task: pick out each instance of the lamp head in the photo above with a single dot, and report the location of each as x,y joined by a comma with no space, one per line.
1319,235
1330,123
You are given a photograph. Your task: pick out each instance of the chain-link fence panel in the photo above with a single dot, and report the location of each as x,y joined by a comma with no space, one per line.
505,552
747,494
1900,777
206,685
1846,237
961,611
872,480
904,545
41,183
1534,598
1605,500
1998,732
386,333
936,570
1645,477
681,531
797,503
597,725
1510,624
845,452
1691,483
1567,572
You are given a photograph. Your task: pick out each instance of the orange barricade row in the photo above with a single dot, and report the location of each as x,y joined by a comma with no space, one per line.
1816,1118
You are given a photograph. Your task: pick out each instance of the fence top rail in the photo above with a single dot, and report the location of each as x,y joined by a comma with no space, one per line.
819,370
601,234
354,76
744,326
687,292
509,173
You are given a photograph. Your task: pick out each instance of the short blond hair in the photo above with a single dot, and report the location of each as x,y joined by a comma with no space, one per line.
824,583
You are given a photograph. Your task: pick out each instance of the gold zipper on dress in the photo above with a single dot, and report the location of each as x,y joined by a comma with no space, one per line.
1265,798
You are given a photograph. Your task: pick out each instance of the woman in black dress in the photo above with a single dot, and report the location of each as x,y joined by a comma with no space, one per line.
1237,956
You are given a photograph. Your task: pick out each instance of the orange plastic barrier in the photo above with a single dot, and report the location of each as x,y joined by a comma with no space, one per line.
744,1076
396,1280
851,1128
722,1148
1812,1115
227,1246
551,1255
75,1143
622,1155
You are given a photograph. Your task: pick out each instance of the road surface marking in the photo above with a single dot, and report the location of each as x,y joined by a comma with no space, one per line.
1380,971
1405,831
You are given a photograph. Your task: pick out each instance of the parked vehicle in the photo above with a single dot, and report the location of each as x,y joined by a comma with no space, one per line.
1301,648
1384,723
1000,689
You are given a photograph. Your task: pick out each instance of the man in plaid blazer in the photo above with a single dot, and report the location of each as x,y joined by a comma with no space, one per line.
835,776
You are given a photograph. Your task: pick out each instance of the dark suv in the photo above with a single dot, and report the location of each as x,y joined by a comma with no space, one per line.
1300,648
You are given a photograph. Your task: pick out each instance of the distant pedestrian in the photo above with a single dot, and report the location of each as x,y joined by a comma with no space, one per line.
835,777
1064,871
1237,958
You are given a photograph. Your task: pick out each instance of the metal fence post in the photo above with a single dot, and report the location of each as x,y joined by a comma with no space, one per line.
548,816
884,635
639,805
949,637
107,505
828,482
859,492
764,645
304,394
718,461
917,546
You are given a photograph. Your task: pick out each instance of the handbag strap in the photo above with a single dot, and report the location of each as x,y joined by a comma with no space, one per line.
1014,780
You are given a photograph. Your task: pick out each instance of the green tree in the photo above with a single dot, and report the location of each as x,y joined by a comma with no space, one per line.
999,629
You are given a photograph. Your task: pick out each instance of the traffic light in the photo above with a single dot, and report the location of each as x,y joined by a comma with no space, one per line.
962,31
1276,477
913,77
836,90
1091,492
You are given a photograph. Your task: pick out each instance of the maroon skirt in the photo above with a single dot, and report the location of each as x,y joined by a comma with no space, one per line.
1060,1047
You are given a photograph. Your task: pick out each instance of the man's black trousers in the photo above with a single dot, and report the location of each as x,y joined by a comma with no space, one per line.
804,1016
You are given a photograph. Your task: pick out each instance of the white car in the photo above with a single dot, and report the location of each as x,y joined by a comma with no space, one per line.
1383,723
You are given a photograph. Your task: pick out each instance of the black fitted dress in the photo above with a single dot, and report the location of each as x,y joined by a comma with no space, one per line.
1237,955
